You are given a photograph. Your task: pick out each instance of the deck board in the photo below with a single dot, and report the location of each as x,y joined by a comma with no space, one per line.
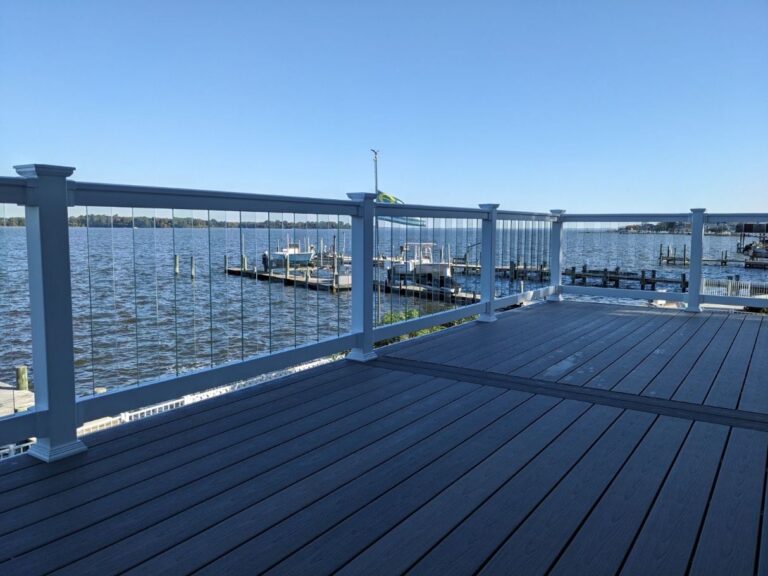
601,543
754,395
628,362
539,539
102,523
696,385
728,540
249,433
666,541
587,371
565,438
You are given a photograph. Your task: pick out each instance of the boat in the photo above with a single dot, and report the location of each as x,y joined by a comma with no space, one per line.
416,266
756,250
291,255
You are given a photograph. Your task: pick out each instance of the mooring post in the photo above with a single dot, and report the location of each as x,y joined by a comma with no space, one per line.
22,378
488,262
693,303
50,296
556,255
176,264
362,277
192,267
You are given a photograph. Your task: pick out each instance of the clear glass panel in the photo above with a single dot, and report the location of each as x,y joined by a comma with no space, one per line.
159,292
522,253
652,256
735,259
424,265
16,374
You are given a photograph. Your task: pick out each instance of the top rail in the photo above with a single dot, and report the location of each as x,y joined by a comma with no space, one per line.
13,190
626,217
429,211
534,216
734,217
124,196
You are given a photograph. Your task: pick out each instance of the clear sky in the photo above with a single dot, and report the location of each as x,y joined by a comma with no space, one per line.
597,106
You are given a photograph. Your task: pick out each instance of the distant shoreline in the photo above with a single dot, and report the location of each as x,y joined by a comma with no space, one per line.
103,221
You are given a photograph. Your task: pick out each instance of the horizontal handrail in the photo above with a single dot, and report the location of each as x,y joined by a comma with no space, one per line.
647,217
533,216
13,190
422,211
736,217
399,328
124,196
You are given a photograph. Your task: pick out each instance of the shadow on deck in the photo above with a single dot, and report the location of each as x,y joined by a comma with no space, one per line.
565,438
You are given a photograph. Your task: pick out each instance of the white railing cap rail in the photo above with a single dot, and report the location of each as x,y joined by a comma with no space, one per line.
13,190
518,215
424,211
129,196
682,217
750,217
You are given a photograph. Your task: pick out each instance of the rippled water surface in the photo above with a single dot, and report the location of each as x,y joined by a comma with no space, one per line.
136,319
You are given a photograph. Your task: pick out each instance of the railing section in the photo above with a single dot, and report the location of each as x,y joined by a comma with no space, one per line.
127,298
692,258
16,375
735,260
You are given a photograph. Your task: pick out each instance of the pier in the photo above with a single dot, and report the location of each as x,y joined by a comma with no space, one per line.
299,277
616,278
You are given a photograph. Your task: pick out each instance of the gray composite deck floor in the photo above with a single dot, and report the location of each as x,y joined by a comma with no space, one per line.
565,438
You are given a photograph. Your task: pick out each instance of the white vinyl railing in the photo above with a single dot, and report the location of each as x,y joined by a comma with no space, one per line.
503,257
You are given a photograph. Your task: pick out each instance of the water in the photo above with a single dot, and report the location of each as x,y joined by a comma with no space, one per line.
135,320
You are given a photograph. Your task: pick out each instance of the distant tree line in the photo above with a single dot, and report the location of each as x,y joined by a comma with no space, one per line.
661,227
105,221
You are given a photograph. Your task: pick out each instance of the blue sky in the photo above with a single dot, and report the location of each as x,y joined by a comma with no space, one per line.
598,106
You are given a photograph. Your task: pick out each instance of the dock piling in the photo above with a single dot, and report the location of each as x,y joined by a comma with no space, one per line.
22,378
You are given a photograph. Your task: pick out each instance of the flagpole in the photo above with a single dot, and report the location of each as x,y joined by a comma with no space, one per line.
376,239
375,171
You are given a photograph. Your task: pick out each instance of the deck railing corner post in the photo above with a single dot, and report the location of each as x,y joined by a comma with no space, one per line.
50,295
362,277
693,301
556,256
488,262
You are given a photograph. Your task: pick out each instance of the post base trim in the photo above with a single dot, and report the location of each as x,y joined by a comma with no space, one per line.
357,355
42,450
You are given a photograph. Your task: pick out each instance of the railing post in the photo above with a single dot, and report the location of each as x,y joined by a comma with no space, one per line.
556,255
488,263
362,277
50,295
697,254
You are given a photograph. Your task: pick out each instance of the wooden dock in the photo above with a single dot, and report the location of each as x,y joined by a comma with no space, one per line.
13,400
616,278
760,264
300,277
427,292
565,438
